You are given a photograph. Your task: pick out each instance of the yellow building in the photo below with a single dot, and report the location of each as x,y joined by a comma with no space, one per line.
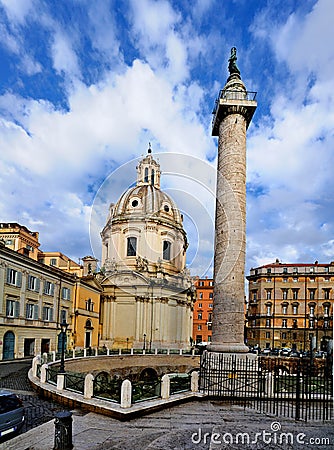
291,305
86,300
20,239
40,290
34,300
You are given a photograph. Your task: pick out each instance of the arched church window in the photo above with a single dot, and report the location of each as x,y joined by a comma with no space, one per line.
166,250
146,175
152,177
131,246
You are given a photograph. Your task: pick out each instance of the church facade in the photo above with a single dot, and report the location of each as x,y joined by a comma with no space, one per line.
148,293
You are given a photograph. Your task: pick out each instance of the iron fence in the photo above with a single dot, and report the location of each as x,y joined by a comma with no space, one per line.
179,382
51,374
297,389
146,390
107,388
75,382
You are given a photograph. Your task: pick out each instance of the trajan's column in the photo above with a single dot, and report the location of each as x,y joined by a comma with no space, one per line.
233,113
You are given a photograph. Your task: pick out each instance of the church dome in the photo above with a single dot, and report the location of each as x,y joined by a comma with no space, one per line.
145,223
146,201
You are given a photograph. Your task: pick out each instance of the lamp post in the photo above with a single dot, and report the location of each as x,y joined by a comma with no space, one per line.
63,326
144,346
127,344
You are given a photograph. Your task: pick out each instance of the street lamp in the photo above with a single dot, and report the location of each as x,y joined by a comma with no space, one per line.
63,327
127,344
144,346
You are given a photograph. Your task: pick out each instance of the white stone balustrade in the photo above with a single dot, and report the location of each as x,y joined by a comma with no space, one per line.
126,393
89,386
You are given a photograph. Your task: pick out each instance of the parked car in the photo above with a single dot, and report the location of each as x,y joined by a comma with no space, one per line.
320,354
285,351
275,352
294,354
266,351
11,413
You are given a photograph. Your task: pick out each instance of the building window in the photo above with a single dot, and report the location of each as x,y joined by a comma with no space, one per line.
201,283
210,317
326,310
63,316
295,270
312,294
200,305
166,250
268,280
312,279
211,295
14,277
211,283
268,334
33,283
284,309
254,296
295,294
295,323
285,294
47,314
209,338
199,327
200,295
66,293
49,288
326,294
268,323
294,336
311,323
268,310
269,270
12,308
198,338
285,270
199,316
268,294
53,261
131,246
146,175
211,305
284,323
295,279
89,305
311,310
294,309
326,323
31,311
283,335
285,280
209,326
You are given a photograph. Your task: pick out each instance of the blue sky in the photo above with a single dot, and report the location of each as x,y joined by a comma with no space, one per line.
85,85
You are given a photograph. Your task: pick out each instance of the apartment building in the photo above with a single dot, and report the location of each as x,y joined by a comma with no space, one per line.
291,305
202,315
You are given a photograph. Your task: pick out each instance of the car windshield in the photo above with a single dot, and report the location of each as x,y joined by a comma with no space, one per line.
9,403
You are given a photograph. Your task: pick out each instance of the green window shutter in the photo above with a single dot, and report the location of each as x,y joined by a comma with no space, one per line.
27,310
38,285
8,275
7,307
17,309
35,312
52,288
18,279
44,313
63,293
45,287
51,315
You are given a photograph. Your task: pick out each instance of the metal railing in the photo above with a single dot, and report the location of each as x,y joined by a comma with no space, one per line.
51,374
146,390
179,382
75,382
107,388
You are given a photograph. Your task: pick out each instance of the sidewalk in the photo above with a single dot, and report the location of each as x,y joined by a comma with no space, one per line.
196,425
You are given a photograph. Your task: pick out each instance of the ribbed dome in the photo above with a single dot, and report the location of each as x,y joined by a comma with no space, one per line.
146,201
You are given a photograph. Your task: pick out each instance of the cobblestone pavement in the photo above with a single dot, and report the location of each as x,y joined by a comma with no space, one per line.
14,376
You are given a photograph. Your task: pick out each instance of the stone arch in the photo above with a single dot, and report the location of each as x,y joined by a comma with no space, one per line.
148,374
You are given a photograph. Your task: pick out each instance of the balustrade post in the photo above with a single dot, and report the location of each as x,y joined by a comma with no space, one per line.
73,353
180,352
85,352
194,381
144,351
108,352
89,386
96,351
156,351
60,381
126,393
53,355
120,351
45,358
165,387
167,351
43,373
131,351
35,362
